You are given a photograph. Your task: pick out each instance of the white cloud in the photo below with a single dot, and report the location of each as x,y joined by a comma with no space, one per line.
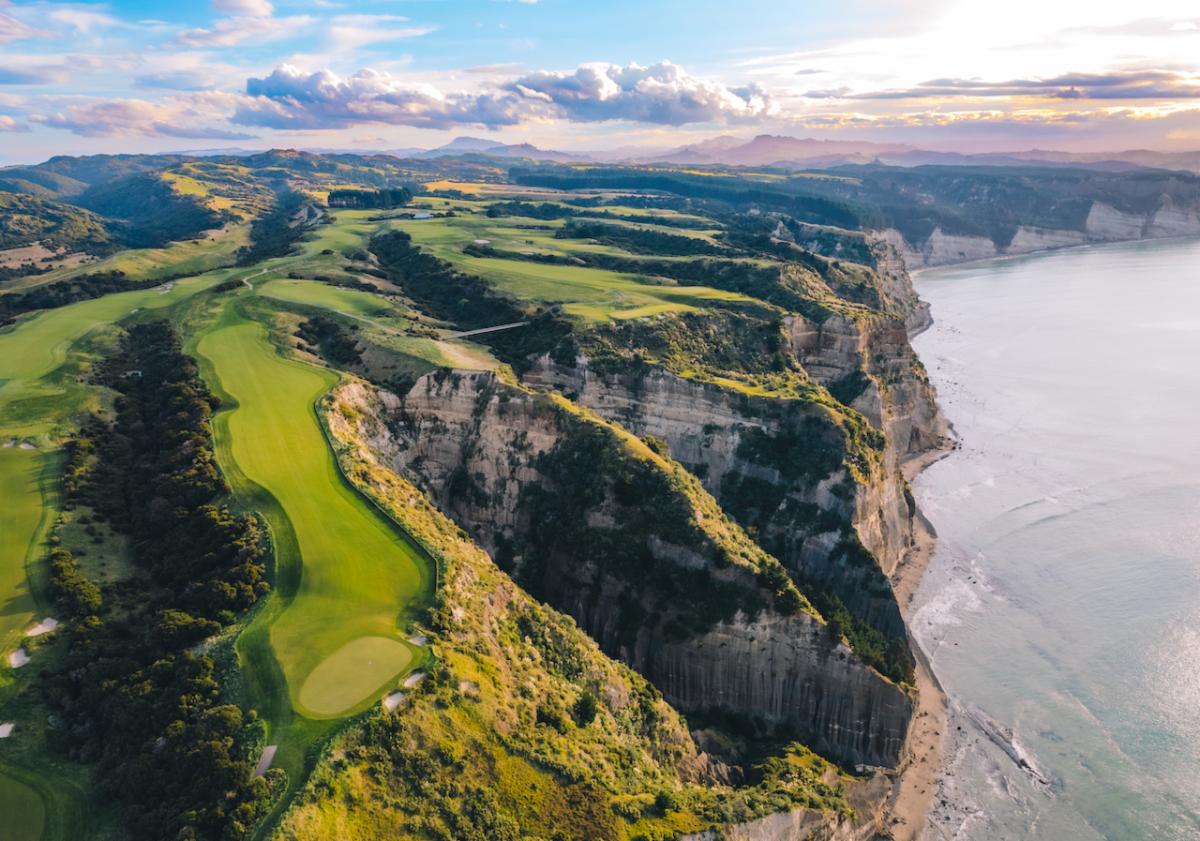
7,123
189,115
228,32
662,94
12,29
243,8
83,20
349,32
291,98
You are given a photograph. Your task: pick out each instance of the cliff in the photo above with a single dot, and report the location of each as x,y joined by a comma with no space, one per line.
625,541
521,727
1166,216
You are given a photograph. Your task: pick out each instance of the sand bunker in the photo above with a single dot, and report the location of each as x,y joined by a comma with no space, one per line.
44,627
413,679
18,658
265,762
419,640
390,702
6,729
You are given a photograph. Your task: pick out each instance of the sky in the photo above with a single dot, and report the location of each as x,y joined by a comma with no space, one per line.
952,75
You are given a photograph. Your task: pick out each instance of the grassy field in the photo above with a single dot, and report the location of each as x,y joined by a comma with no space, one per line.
359,574
216,251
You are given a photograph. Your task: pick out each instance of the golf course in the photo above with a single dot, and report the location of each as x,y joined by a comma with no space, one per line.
338,640
40,397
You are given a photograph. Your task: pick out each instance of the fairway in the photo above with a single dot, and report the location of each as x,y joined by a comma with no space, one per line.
22,813
30,405
317,294
359,574
38,346
20,515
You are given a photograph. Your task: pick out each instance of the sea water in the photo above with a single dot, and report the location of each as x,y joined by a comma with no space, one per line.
1063,601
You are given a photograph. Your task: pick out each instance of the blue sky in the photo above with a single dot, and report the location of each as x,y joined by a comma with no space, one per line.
948,74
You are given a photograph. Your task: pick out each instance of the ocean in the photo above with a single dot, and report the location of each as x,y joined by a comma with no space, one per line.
1061,610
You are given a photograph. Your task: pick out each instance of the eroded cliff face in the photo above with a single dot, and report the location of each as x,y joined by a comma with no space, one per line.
810,519
1170,217
659,578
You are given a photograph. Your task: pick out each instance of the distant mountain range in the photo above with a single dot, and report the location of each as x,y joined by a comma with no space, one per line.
778,151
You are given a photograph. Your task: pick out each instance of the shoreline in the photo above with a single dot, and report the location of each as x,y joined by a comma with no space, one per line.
914,273
917,782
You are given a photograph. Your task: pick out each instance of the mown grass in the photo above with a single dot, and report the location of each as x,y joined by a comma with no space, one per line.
591,294
359,574
23,810
317,294
20,522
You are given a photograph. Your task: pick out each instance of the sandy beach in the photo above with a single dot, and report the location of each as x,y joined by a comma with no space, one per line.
916,787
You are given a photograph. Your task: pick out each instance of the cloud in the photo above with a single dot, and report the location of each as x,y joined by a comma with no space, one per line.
178,117
662,94
349,32
12,29
243,8
291,98
229,32
83,20
1127,85
9,124
180,80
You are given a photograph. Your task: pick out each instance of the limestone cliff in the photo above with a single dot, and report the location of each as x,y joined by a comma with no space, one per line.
1167,216
626,542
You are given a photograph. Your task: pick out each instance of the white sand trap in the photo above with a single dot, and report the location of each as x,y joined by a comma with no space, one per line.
18,658
419,640
390,702
265,762
44,627
8,443
6,729
413,679
483,242
25,445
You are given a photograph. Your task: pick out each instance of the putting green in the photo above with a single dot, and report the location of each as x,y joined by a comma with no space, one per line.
358,573
22,813
355,671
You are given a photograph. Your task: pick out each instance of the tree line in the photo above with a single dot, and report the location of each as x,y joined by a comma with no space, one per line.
131,695
382,199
